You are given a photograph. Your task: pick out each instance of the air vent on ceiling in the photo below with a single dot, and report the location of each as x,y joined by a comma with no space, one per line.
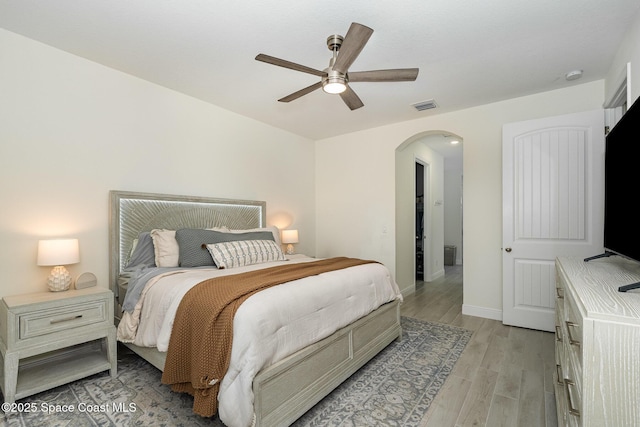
425,105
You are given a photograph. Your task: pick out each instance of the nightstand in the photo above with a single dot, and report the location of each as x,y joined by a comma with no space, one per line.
52,338
295,256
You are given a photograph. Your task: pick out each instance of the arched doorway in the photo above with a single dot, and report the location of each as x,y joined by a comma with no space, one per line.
441,204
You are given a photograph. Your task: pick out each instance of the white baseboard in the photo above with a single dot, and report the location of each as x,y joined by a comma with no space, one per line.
487,313
406,291
436,275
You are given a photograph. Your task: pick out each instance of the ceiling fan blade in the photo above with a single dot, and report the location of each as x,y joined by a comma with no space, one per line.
351,99
288,64
397,75
301,92
353,43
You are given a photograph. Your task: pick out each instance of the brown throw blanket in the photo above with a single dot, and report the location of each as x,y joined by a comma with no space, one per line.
200,345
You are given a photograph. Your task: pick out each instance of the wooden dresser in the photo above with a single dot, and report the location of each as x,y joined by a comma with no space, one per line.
597,377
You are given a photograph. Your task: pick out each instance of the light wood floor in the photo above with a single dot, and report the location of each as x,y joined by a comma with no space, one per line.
504,375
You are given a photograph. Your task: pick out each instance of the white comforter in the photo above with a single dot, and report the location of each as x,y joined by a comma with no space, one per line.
268,326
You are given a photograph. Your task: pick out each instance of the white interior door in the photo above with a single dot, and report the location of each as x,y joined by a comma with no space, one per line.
553,195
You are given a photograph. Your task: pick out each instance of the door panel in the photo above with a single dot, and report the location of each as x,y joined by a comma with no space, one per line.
552,205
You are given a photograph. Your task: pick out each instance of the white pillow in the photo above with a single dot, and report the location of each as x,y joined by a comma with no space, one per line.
165,247
244,252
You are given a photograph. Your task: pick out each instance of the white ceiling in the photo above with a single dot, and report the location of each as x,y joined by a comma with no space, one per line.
469,52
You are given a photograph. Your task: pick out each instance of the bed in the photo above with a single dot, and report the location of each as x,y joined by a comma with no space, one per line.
290,382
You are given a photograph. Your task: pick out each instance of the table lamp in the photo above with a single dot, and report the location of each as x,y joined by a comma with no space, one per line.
289,237
58,253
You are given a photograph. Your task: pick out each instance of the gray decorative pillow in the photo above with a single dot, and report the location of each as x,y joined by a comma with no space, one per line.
245,252
272,228
143,252
193,249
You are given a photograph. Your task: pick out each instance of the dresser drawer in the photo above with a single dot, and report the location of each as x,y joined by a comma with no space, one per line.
561,397
573,325
559,351
67,317
560,334
560,328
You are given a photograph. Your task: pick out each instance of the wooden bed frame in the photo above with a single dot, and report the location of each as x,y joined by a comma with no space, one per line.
289,388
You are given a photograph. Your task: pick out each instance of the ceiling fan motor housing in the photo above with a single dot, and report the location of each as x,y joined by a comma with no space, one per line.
334,42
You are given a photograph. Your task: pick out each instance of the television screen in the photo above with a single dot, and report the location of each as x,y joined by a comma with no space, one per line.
622,179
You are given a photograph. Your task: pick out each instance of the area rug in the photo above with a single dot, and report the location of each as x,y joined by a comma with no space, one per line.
395,388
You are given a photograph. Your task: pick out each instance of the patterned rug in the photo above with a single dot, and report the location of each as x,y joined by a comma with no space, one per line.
394,389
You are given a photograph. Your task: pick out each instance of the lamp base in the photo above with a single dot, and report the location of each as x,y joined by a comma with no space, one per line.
290,249
59,279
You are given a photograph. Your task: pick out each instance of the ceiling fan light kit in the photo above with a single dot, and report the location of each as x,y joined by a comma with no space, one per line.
335,78
334,83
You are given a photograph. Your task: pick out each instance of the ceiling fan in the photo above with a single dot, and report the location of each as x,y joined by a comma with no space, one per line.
336,77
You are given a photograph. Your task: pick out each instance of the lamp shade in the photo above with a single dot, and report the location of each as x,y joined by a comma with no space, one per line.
58,252
289,236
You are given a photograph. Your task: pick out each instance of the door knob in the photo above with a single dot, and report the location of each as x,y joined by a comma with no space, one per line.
508,249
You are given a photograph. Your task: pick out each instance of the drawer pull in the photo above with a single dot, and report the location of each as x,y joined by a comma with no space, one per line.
558,334
573,411
559,375
559,293
572,341
66,319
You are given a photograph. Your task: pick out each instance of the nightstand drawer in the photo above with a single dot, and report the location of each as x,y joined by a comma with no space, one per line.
44,322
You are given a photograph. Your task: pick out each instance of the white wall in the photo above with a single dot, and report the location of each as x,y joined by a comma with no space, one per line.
628,52
71,130
453,208
355,188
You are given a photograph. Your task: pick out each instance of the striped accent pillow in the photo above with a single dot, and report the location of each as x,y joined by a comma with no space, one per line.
244,252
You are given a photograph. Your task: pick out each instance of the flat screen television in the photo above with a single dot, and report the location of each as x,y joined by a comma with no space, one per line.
622,176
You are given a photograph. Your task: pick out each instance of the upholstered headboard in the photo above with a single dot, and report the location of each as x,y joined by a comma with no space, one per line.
132,213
